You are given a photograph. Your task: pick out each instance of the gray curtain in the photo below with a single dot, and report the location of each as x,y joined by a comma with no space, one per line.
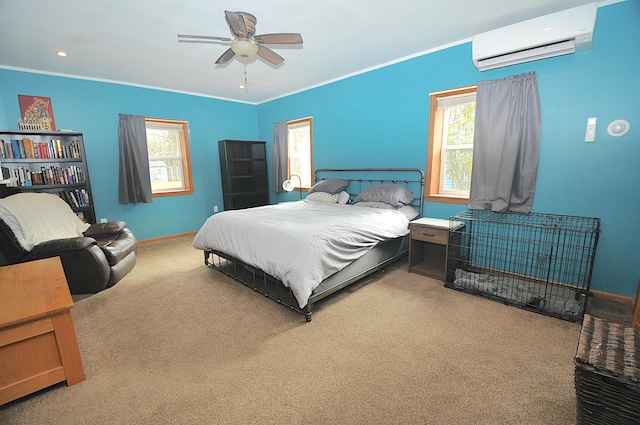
280,155
135,181
506,144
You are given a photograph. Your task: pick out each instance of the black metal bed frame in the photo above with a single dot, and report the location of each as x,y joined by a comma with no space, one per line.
274,289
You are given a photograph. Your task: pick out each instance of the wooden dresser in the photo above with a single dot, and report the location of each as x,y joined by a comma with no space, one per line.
38,345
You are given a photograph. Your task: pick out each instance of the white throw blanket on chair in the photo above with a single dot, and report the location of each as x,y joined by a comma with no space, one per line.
39,217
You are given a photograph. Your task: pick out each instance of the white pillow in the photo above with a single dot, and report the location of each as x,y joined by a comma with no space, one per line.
332,198
343,197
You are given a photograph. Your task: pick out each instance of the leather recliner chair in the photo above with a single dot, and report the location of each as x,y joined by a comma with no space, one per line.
97,260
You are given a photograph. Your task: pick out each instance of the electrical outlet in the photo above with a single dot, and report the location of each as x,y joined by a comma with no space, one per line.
215,208
103,220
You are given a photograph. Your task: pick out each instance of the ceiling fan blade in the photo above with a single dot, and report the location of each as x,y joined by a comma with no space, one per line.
236,23
225,57
279,38
270,55
204,37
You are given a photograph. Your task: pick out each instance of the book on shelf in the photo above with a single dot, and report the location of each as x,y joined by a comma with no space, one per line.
8,149
24,176
26,148
23,152
75,198
80,197
69,199
15,147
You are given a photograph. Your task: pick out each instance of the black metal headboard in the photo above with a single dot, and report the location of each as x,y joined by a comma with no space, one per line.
362,178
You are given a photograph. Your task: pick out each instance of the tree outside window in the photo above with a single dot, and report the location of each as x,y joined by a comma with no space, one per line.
450,156
169,160
300,151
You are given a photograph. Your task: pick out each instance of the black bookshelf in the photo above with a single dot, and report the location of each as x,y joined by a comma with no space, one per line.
243,165
47,161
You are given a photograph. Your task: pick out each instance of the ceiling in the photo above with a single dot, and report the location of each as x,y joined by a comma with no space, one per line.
135,41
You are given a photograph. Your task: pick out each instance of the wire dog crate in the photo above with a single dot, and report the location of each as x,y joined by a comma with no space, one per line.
539,262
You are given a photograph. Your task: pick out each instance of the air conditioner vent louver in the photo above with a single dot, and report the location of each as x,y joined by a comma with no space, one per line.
551,35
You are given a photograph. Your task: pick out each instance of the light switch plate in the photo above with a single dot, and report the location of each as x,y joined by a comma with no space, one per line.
590,135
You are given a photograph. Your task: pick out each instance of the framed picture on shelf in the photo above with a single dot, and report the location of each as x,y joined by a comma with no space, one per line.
36,111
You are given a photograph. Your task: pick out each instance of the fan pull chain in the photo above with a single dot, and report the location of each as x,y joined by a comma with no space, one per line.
244,86
245,77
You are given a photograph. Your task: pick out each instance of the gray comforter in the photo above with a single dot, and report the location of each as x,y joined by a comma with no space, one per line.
300,243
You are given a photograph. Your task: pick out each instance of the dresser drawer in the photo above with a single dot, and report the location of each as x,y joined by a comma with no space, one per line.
429,234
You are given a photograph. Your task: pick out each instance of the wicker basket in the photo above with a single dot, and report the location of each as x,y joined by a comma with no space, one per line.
607,373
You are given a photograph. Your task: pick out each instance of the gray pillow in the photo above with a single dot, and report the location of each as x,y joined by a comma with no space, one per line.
331,186
375,204
407,210
391,194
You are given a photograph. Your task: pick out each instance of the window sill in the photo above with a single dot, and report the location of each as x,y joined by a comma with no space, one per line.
173,193
448,199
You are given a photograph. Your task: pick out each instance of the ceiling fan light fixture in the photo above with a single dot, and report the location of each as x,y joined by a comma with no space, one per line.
244,48
246,44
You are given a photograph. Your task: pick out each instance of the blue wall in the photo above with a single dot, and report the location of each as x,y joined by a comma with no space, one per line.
380,119
93,108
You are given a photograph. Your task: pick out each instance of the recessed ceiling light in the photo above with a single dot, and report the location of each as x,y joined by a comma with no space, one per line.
63,54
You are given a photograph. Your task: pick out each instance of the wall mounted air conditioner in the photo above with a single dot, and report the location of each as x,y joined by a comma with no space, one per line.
559,33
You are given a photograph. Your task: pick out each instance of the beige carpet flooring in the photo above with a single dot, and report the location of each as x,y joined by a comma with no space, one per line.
178,343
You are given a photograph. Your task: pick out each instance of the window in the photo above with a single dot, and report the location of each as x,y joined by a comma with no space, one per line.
450,156
300,151
169,161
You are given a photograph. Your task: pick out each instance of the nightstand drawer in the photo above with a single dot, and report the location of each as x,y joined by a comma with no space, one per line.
429,234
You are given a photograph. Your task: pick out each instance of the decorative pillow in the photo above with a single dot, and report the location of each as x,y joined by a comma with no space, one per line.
332,198
331,186
343,197
391,194
39,217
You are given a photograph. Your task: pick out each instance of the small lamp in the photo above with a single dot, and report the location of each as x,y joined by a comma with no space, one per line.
289,186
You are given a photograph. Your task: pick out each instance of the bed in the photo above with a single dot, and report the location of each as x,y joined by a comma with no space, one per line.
352,223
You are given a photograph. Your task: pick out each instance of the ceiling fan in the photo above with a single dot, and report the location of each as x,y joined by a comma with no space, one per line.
245,43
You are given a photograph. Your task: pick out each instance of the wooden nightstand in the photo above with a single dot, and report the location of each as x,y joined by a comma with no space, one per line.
428,247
